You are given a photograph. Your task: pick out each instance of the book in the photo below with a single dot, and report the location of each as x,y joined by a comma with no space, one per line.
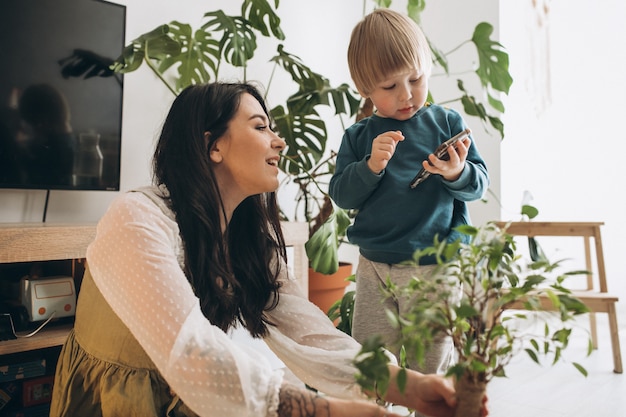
22,370
37,391
8,392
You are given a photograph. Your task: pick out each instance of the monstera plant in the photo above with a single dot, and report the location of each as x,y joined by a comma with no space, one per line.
180,55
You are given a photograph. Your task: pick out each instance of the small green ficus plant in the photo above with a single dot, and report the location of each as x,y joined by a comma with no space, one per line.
486,335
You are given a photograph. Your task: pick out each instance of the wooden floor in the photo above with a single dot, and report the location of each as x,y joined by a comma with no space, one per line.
560,390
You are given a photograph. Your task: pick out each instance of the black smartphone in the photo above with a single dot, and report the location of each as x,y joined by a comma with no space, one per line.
442,153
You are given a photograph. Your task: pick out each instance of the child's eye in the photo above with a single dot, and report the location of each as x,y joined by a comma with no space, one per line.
415,80
389,87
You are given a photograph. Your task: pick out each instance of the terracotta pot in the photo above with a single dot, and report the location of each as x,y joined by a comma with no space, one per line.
325,290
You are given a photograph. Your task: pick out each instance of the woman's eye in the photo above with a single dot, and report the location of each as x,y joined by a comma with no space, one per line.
261,127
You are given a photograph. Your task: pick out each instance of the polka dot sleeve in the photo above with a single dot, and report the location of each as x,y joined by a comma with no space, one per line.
135,262
310,345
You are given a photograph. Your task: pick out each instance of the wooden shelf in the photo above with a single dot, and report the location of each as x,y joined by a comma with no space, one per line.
47,337
30,242
39,242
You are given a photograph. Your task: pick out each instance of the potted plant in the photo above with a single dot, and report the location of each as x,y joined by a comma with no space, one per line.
179,56
485,336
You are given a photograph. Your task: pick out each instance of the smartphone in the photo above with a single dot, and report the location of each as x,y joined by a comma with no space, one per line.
442,153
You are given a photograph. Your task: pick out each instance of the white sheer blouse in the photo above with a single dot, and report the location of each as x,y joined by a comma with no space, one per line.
136,261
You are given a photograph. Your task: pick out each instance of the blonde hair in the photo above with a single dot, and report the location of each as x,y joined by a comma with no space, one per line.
382,44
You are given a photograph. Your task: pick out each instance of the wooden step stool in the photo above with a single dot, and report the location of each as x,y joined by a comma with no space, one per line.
597,299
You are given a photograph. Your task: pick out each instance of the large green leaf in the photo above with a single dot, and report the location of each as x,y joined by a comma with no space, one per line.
199,53
474,108
493,66
305,137
321,248
173,45
238,42
345,99
301,74
258,12
159,43
414,9
314,89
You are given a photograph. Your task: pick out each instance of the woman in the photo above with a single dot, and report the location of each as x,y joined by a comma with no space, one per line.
177,265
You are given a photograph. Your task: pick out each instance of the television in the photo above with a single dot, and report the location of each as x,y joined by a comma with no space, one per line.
60,104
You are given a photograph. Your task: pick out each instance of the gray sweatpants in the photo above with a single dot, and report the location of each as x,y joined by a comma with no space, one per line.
370,317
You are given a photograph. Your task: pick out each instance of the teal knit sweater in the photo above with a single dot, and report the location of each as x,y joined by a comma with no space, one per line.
394,220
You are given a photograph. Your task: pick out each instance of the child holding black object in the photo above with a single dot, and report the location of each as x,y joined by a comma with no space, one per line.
379,157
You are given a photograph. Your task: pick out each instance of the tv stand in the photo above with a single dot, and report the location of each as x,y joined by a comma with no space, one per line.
43,242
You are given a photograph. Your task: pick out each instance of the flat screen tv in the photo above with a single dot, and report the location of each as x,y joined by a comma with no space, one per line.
60,104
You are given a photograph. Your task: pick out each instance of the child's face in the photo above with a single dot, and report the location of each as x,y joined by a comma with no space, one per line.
401,95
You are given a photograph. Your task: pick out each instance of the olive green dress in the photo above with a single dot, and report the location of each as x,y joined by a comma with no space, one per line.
102,363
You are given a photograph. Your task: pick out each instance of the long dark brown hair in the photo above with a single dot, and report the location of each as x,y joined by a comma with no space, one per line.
234,275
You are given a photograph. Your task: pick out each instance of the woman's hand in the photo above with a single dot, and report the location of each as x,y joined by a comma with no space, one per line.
298,402
429,394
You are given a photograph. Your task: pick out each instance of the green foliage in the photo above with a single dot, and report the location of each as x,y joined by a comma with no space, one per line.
175,50
372,365
181,56
493,69
492,72
529,211
343,310
322,246
492,277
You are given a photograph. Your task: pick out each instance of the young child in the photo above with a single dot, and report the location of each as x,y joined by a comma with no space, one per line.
390,63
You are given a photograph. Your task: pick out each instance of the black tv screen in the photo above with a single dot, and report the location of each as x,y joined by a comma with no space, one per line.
60,104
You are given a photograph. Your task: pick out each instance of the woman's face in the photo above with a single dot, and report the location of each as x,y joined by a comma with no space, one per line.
246,157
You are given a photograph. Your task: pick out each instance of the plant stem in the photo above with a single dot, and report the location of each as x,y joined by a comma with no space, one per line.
158,74
269,82
470,394
449,101
457,47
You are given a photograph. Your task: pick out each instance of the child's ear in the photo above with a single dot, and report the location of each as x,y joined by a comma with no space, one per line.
214,150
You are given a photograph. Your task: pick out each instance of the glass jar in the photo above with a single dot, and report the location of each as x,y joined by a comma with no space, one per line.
88,161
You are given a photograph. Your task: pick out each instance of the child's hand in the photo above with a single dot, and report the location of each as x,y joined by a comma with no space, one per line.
451,169
383,148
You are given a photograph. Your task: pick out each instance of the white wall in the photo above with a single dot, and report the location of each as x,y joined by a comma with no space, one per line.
563,143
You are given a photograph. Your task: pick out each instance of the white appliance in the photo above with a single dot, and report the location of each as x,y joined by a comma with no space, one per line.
44,297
